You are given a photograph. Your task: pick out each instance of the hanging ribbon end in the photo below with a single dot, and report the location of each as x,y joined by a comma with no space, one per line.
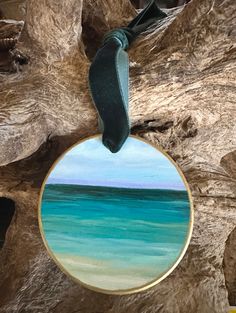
114,143
111,146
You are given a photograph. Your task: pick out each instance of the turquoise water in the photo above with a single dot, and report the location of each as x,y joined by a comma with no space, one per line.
115,238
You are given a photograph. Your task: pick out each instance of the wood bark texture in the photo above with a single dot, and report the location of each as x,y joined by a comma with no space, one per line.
182,98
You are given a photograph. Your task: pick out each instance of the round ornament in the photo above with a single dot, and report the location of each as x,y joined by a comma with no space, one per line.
116,223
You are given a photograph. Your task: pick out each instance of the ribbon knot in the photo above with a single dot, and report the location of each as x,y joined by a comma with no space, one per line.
124,35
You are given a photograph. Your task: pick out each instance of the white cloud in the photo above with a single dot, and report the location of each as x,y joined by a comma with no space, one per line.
137,162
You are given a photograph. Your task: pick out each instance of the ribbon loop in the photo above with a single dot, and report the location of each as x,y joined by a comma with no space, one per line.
109,77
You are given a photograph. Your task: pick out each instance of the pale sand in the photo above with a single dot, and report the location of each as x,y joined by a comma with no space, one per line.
102,274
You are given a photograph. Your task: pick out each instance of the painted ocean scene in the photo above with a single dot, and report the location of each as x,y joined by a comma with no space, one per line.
115,221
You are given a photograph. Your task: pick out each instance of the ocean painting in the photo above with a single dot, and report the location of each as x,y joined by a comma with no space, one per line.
115,222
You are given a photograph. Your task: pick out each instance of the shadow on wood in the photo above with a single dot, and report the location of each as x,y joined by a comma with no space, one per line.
7,210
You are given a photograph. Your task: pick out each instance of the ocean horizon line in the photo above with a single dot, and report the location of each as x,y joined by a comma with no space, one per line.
116,187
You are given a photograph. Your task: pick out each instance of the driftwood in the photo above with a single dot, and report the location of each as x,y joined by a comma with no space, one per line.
182,80
10,58
161,3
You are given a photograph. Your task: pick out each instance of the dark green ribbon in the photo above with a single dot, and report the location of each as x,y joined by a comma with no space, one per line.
109,77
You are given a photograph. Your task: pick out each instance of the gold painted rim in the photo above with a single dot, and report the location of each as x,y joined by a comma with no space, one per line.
119,291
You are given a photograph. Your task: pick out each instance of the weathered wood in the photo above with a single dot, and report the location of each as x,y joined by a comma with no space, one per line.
161,3
229,266
182,81
10,58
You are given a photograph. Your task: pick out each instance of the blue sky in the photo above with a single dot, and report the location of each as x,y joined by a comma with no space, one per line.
136,165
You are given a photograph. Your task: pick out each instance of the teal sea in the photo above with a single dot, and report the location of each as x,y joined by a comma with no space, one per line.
115,238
